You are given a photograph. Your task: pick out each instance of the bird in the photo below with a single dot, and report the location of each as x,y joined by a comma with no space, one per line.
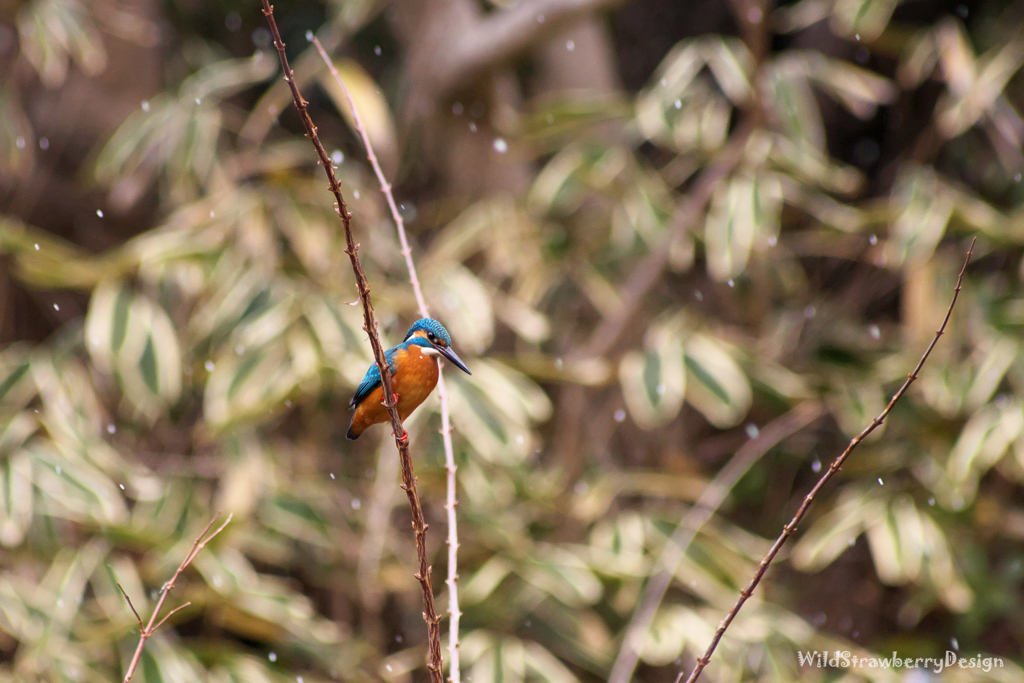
413,375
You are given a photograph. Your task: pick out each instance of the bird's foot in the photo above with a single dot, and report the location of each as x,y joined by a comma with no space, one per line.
394,400
404,438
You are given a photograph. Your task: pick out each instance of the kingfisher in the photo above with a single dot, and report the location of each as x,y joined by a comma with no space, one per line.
413,375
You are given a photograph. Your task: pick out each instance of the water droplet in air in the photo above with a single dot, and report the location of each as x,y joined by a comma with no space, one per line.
880,482
58,469
620,415
816,466
931,502
581,487
388,667
519,438
145,105
20,142
309,36
37,246
122,486
731,282
376,50
44,143
332,475
810,312
287,404
398,639
472,127
874,332
111,429
772,241
272,656
678,104
751,430
570,46
337,157
208,365
56,307
856,36
212,214
558,363
198,101
698,295
500,146
873,239
754,15
660,389
356,504
540,18
1017,177
955,643
99,212
355,194
239,350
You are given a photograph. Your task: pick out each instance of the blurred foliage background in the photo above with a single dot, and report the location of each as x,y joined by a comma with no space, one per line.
652,227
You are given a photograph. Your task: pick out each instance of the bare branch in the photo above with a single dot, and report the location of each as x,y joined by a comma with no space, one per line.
370,324
171,614
693,520
477,45
788,530
150,628
130,604
442,392
648,272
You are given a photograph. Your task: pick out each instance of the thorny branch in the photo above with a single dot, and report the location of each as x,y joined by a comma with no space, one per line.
442,392
693,520
146,632
401,437
788,530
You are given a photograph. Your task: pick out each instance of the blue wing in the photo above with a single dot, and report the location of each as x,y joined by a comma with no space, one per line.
372,379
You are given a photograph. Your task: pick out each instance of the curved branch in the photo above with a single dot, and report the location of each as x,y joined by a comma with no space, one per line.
462,49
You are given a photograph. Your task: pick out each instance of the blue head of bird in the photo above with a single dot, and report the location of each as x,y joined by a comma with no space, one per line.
439,342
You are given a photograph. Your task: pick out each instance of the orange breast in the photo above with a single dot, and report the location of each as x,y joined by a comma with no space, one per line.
415,377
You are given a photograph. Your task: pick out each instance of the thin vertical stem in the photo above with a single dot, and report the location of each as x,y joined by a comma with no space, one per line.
390,400
442,391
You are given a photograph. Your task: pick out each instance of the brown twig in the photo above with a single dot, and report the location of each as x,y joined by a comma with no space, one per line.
125,594
788,530
146,632
442,392
635,290
370,325
693,520
647,273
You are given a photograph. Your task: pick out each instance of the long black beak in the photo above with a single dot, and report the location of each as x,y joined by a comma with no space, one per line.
447,352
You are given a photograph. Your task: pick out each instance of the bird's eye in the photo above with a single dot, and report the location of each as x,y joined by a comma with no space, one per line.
431,337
